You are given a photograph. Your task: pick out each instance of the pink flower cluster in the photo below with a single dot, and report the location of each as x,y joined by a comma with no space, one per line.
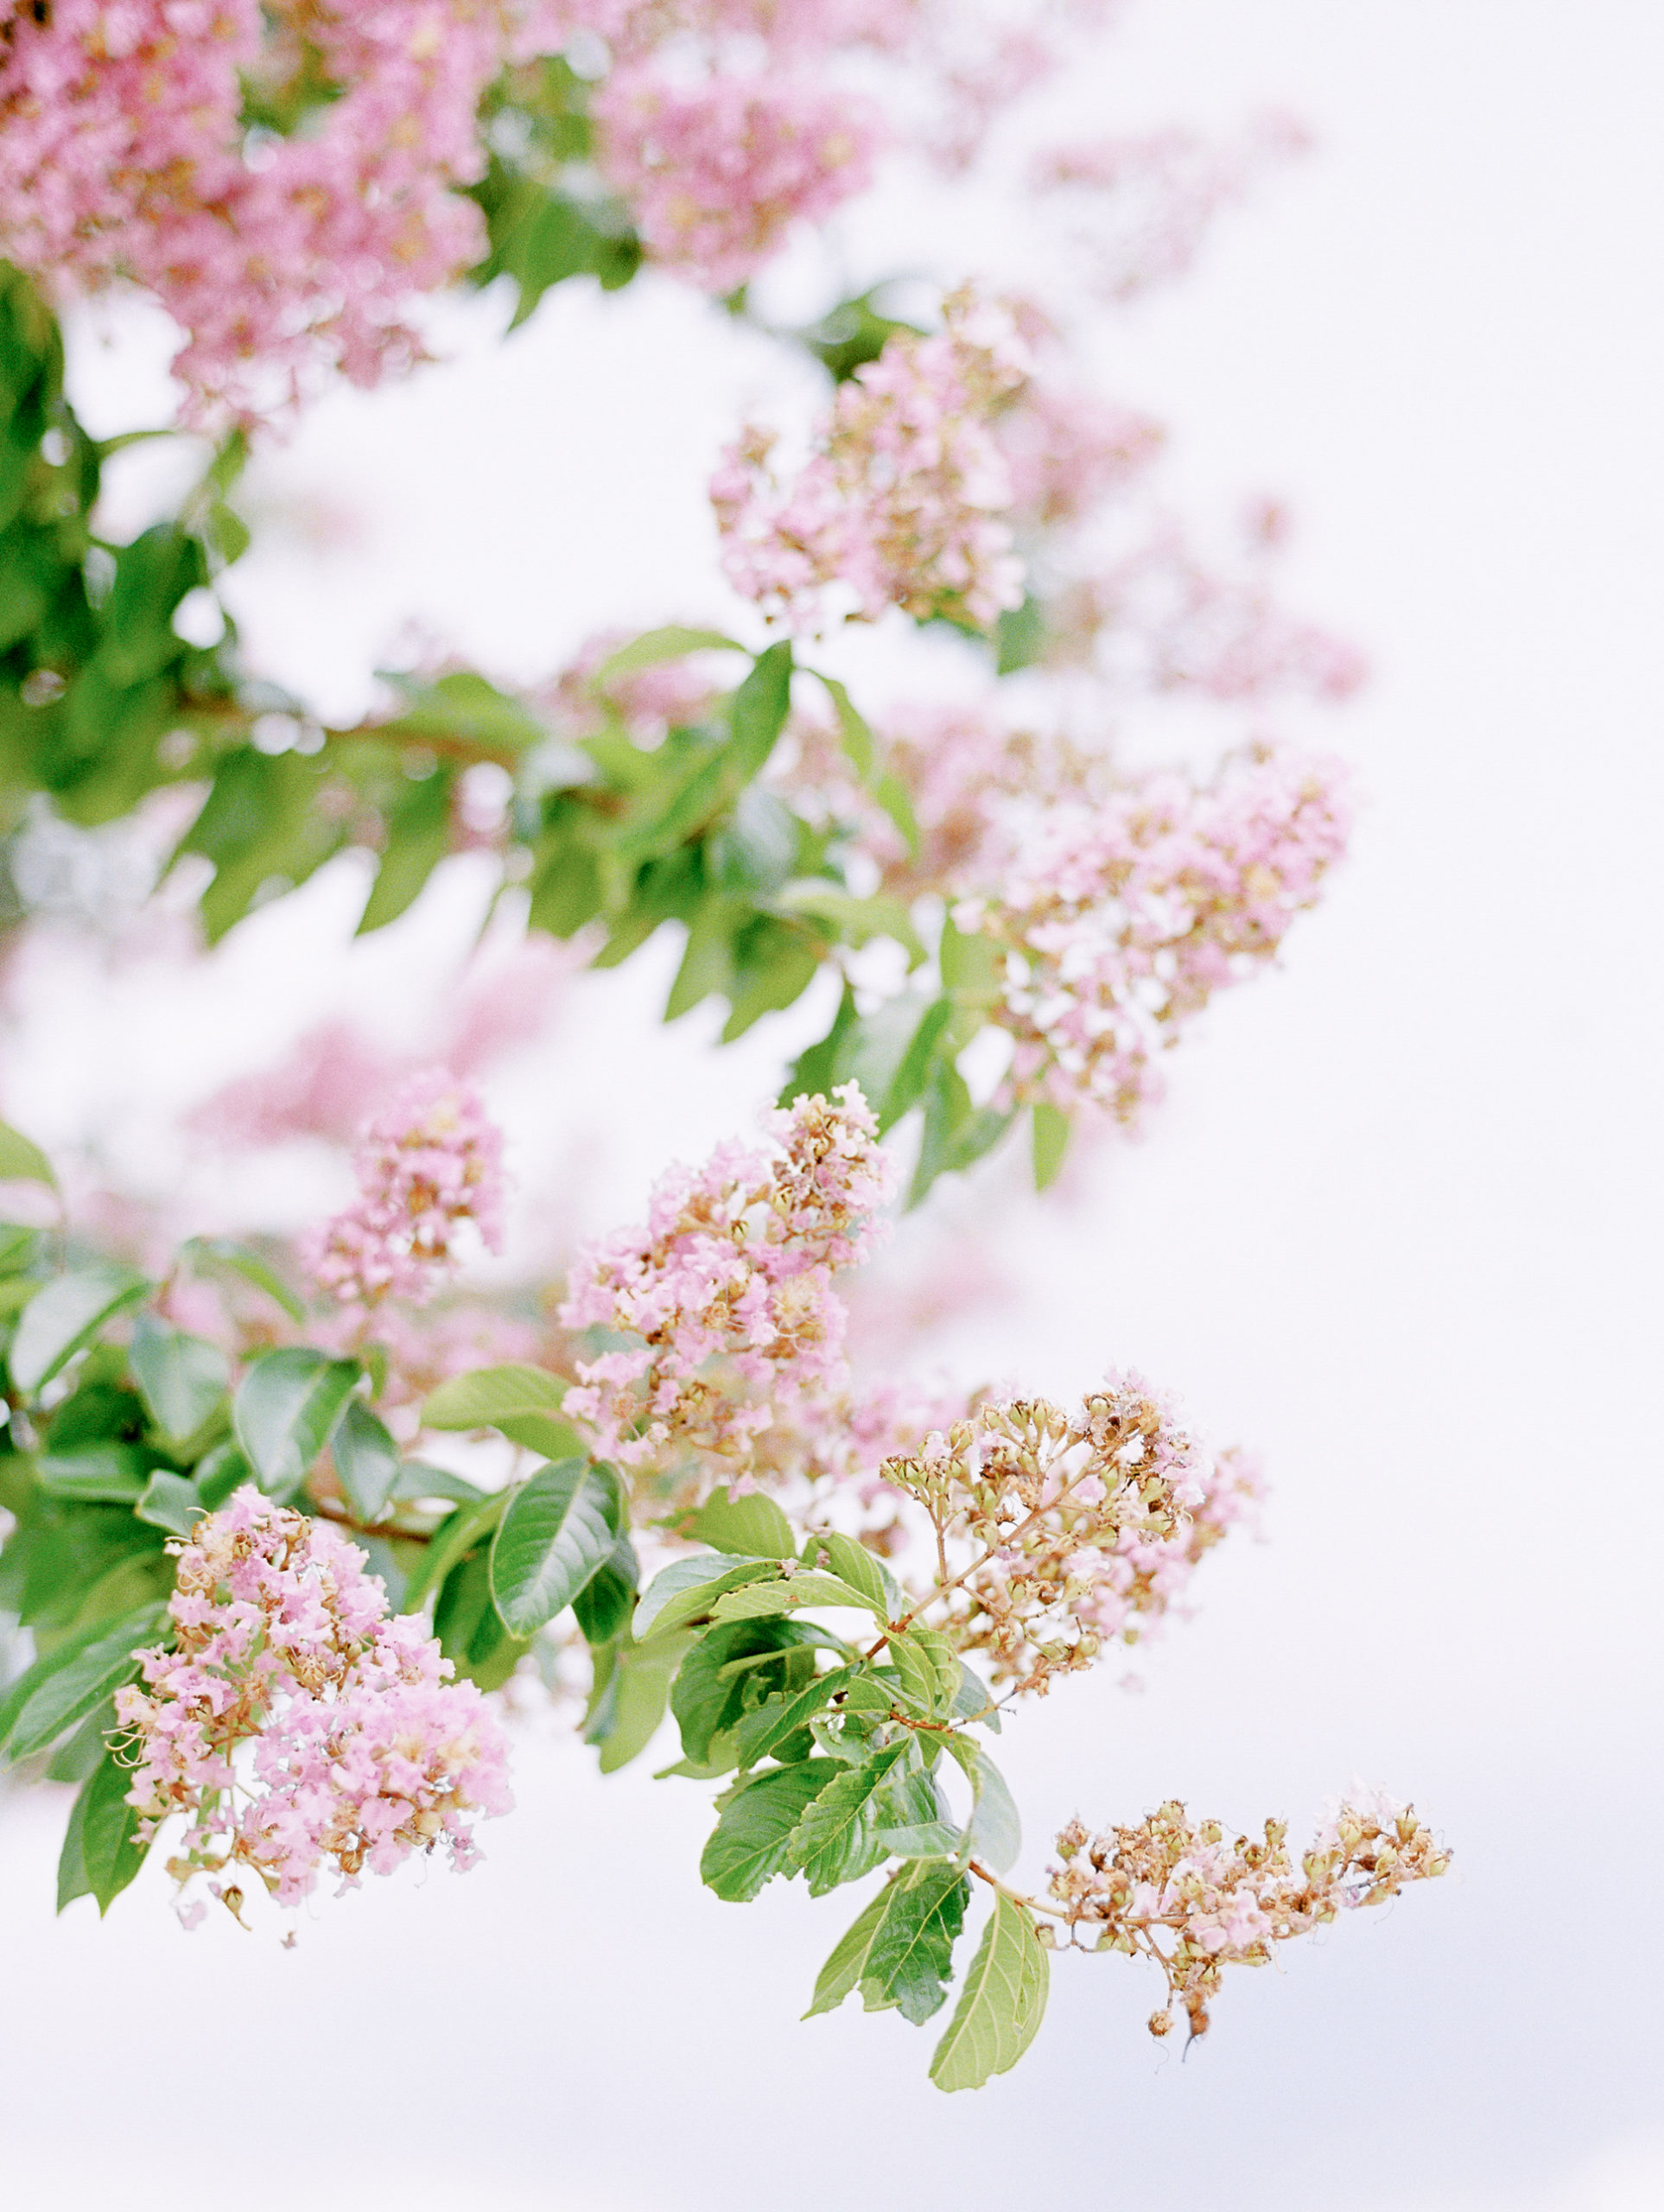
897,505
1176,1891
429,1161
1059,1533
1120,924
362,1751
124,151
733,1273
1142,204
1159,619
718,171
1067,450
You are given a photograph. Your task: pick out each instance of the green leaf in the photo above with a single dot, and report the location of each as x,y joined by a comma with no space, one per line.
639,1692
922,1840
228,1256
928,1668
67,1313
752,1527
975,1700
906,1087
843,1970
18,1247
557,1532
756,1600
468,1526
910,1960
366,1461
764,1731
972,966
488,1396
656,645
1020,636
22,1161
861,749
603,1606
224,1470
751,1843
1051,1139
836,1839
995,1834
170,1502
64,1687
1001,2004
102,1850
854,920
285,1410
760,706
710,1692
688,1587
182,1379
462,704
418,827
862,1570
110,1474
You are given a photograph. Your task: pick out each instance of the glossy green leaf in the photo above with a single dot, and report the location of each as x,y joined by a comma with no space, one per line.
637,1694
1001,2004
718,1673
602,1608
182,1379
928,1668
224,1470
752,1527
1050,1142
20,1161
285,1411
490,1395
910,1960
751,1843
760,706
862,1570
107,1474
756,1600
366,1461
67,1314
557,1531
170,1502
922,1840
689,1587
836,1839
761,1732
468,1526
418,836
843,1972
102,1850
63,1688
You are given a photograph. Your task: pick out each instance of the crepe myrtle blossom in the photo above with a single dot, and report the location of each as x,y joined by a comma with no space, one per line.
728,1286
900,502
1120,923
279,176
430,1162
1175,1890
291,1724
1059,1533
718,171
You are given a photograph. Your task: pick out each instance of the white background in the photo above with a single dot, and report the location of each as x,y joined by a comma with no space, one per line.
1397,1225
